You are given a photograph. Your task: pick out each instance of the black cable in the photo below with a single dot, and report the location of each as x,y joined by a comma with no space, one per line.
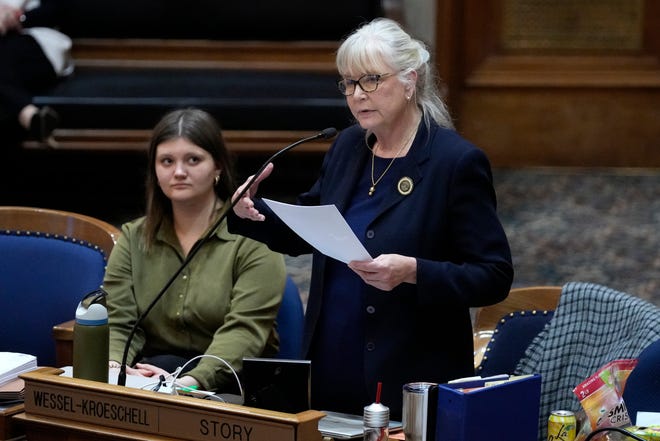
121,378
161,381
613,429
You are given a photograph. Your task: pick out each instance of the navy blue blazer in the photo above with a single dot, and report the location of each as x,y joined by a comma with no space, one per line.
448,221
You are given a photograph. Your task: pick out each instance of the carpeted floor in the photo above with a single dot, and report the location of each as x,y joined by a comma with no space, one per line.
563,225
599,226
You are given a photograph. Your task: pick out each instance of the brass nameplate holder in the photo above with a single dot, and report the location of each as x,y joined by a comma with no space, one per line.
61,401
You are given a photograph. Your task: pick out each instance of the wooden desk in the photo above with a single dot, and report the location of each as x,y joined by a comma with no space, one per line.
70,409
10,429
63,336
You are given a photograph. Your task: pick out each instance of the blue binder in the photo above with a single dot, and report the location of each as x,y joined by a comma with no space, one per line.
508,411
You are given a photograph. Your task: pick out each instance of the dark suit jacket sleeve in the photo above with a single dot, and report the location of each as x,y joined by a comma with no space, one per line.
478,270
273,232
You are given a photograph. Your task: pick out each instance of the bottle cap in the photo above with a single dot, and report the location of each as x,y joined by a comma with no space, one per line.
91,311
96,314
376,415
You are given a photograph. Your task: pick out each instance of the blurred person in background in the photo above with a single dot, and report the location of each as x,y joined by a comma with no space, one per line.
34,55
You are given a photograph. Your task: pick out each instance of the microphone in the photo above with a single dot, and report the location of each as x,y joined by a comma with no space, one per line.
328,133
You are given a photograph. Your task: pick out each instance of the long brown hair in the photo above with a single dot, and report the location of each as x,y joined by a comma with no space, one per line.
202,130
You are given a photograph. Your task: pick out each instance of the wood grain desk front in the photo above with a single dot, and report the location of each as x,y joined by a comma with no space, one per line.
9,428
63,408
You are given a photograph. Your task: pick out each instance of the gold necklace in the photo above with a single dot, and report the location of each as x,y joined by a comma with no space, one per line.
372,189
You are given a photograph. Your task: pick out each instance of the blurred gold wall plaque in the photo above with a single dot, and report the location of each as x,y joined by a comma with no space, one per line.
572,24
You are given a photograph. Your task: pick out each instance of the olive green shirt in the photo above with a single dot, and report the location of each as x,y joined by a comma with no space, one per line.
223,303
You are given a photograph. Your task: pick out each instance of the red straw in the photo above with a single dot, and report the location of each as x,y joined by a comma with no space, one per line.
380,385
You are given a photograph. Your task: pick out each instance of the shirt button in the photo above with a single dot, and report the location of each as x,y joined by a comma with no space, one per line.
371,234
371,309
371,346
185,277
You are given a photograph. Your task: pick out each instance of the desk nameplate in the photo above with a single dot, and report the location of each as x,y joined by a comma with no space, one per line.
99,404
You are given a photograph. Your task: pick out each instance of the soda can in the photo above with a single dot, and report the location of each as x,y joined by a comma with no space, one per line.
561,426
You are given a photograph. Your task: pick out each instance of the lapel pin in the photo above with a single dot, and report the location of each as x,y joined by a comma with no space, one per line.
405,186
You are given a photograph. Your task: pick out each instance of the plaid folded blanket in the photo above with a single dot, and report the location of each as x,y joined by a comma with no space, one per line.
592,326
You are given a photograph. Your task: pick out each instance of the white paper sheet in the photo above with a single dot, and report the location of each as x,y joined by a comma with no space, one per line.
647,419
324,228
133,381
12,364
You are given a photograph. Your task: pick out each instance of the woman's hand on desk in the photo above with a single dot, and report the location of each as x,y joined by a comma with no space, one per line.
149,370
187,381
141,369
386,271
146,370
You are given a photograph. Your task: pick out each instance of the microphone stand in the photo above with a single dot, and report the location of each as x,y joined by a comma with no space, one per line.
325,134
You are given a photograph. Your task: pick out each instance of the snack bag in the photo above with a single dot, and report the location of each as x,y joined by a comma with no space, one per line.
601,395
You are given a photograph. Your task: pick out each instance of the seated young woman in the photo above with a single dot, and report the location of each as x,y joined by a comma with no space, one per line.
224,303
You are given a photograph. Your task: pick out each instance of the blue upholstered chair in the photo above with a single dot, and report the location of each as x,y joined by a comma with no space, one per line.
49,260
642,391
290,320
503,331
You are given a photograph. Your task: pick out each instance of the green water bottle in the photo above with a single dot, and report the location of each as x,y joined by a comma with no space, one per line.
90,338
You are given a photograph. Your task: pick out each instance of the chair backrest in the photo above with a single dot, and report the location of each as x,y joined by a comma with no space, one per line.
49,259
642,390
592,326
290,322
528,305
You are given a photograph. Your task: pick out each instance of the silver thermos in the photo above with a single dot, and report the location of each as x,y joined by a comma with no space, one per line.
420,402
91,338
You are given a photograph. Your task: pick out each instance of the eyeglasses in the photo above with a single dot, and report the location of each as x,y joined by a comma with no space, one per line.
368,83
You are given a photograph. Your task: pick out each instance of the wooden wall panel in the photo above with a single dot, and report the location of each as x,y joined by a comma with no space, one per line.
564,126
561,102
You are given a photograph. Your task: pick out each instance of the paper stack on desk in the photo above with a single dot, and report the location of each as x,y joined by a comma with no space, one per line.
12,364
12,392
